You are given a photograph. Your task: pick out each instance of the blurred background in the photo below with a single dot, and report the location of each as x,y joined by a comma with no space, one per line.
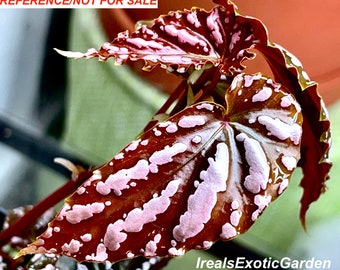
87,111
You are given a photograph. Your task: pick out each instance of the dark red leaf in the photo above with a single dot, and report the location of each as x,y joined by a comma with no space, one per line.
208,172
205,174
316,138
187,38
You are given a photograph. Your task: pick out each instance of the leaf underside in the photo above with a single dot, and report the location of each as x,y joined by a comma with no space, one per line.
204,174
316,137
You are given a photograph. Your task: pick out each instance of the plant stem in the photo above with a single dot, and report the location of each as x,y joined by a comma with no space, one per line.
177,94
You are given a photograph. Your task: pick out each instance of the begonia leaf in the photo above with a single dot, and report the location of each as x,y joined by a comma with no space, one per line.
211,169
205,174
316,137
187,38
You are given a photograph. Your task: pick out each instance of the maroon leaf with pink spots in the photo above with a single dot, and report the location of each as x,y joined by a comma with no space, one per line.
205,174
187,38
211,169
222,38
316,137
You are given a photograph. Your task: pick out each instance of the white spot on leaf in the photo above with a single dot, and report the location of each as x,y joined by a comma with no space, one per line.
202,202
228,231
100,256
289,162
263,95
280,129
119,180
72,247
79,213
137,217
258,166
235,217
191,121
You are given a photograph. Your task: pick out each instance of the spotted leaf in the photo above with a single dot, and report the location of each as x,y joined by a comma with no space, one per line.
221,37
316,138
187,38
207,173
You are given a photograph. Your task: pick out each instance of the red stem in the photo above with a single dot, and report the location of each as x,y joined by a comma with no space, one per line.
19,226
171,99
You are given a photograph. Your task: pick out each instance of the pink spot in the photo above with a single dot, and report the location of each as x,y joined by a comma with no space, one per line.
151,246
191,121
202,202
262,95
234,39
118,157
72,247
63,211
166,155
119,180
144,142
176,252
136,218
289,162
81,190
132,146
197,139
130,255
100,256
79,212
236,82
286,101
228,232
172,128
213,26
86,237
206,106
153,168
235,205
102,188
114,235
249,79
183,35
171,30
157,132
192,18
207,244
255,215
142,43
235,217
258,165
95,176
262,201
280,129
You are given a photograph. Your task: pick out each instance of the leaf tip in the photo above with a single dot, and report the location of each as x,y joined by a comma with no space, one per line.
76,55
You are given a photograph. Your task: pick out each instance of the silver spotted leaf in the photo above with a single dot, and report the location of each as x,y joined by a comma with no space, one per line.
205,174
187,38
